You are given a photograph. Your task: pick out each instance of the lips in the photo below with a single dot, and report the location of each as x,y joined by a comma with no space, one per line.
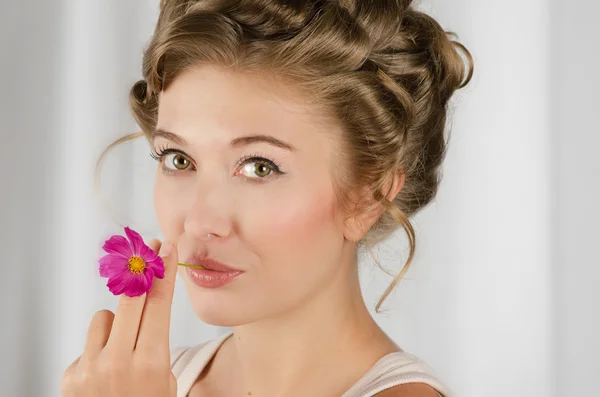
211,264
213,274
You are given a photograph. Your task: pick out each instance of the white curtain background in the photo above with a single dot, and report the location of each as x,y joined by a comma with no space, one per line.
502,299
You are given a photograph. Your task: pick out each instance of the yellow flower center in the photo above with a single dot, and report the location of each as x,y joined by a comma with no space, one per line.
136,265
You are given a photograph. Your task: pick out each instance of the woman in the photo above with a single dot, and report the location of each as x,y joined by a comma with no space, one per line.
288,135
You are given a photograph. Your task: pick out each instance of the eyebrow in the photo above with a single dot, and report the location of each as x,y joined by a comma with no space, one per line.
236,142
168,136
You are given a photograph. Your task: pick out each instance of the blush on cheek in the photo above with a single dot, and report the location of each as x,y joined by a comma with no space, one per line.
298,221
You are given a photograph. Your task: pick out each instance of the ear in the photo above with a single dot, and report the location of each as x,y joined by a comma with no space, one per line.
359,224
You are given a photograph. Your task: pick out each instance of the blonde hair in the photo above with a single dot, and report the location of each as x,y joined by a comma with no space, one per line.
382,69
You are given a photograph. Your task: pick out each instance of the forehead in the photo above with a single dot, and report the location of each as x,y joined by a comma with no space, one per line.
211,98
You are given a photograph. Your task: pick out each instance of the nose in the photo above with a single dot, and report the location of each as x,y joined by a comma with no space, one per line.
208,216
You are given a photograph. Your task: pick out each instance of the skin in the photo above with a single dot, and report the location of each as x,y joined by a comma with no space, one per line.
297,310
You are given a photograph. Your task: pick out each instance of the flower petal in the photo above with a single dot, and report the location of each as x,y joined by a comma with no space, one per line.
153,261
139,283
149,273
131,284
118,245
137,242
148,254
118,284
157,266
112,265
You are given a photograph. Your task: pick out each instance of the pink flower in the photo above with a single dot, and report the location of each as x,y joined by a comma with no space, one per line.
130,265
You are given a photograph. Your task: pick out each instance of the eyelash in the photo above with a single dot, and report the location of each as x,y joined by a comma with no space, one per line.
160,154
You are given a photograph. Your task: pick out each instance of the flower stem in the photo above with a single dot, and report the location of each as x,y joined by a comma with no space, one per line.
193,266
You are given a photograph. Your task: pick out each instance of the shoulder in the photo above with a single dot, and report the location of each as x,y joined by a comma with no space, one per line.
409,390
401,374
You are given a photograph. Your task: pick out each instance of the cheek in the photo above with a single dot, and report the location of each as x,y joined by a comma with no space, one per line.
296,227
300,221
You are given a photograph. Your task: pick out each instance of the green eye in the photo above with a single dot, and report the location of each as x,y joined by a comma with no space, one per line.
176,160
258,169
262,170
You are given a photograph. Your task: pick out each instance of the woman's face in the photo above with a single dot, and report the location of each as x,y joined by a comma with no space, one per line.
268,202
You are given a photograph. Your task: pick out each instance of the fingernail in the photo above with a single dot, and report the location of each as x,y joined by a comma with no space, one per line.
165,249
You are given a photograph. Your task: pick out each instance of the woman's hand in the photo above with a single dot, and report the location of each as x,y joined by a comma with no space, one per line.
127,354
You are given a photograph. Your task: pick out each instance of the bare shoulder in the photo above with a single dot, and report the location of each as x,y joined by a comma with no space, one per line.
409,390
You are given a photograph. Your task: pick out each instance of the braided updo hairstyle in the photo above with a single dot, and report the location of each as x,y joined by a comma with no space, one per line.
383,70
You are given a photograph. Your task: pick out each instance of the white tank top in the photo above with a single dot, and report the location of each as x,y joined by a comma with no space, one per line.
393,369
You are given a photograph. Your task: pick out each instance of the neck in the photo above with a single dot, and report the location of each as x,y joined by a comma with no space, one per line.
279,356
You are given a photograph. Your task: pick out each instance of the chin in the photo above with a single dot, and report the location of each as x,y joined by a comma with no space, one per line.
221,318
235,304
220,307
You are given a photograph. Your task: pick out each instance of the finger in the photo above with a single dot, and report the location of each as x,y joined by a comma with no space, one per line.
156,317
127,318
98,333
154,244
126,323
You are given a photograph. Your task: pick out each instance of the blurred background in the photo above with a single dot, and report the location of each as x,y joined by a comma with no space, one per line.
502,298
